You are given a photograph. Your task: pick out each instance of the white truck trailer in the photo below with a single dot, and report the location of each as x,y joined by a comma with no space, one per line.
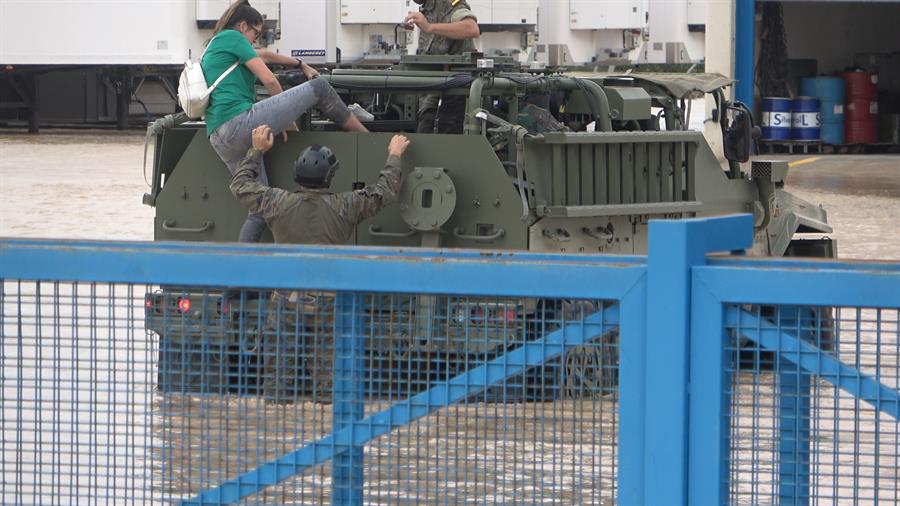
96,61
108,61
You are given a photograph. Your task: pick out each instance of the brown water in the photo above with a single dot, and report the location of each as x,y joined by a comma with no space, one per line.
862,197
73,185
88,185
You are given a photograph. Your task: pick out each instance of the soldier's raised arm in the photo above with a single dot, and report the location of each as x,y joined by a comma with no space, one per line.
257,197
462,24
361,204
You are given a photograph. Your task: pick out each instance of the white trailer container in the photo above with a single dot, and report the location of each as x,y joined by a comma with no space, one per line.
103,60
87,61
160,32
677,32
96,32
625,31
353,30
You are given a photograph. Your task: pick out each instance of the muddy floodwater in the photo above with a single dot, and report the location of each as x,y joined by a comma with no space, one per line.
89,184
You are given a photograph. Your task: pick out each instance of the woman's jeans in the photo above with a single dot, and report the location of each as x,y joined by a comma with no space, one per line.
232,140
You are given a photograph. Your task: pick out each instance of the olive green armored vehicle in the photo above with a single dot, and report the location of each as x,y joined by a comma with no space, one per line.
545,162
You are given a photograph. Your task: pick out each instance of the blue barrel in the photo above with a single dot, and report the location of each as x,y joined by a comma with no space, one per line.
830,92
805,119
776,119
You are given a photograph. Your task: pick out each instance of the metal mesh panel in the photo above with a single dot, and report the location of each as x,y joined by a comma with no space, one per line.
96,409
796,437
549,433
77,395
239,390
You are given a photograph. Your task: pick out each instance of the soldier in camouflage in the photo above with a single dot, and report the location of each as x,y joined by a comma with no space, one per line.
314,215
297,342
446,27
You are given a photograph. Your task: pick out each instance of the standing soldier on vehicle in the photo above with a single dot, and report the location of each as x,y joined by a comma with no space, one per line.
446,27
297,344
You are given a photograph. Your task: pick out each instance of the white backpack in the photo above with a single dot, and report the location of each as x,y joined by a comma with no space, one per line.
193,94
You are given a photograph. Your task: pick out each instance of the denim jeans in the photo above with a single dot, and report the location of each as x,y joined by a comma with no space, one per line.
232,140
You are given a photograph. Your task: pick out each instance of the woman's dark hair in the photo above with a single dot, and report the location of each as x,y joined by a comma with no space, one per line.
237,12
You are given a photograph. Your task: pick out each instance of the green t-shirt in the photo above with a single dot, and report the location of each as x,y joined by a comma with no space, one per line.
237,92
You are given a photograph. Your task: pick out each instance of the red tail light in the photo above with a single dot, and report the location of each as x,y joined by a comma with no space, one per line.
184,304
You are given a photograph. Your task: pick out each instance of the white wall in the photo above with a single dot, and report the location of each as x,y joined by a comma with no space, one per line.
719,59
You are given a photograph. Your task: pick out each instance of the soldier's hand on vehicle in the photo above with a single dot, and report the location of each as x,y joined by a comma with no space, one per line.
263,138
418,19
398,145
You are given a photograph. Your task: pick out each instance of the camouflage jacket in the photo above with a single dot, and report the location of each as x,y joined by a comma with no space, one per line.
312,216
445,11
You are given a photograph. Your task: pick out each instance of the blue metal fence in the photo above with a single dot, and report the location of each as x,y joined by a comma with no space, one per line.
383,376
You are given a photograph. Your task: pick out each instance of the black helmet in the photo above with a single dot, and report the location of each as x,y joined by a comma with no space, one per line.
315,167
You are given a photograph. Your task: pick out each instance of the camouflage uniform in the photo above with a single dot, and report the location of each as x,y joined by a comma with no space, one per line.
313,216
297,344
452,112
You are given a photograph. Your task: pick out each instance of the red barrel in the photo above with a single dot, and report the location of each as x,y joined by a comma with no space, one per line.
861,110
860,132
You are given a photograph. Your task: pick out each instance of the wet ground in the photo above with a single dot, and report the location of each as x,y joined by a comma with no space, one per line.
861,194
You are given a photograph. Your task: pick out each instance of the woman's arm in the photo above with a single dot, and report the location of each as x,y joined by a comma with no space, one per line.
271,58
265,76
277,59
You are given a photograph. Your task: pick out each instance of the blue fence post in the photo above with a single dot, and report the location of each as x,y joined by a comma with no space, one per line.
793,415
348,394
710,402
674,248
632,374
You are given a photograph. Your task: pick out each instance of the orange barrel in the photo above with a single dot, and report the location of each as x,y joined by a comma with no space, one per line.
861,111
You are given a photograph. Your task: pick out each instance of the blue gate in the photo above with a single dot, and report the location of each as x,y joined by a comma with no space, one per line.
383,376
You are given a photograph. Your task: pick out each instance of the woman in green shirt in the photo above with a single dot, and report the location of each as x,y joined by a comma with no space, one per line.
233,111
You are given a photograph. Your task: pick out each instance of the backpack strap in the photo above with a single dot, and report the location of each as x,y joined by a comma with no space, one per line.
217,81
224,74
209,44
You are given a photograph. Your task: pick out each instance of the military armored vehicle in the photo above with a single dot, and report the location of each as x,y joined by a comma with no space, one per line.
545,162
